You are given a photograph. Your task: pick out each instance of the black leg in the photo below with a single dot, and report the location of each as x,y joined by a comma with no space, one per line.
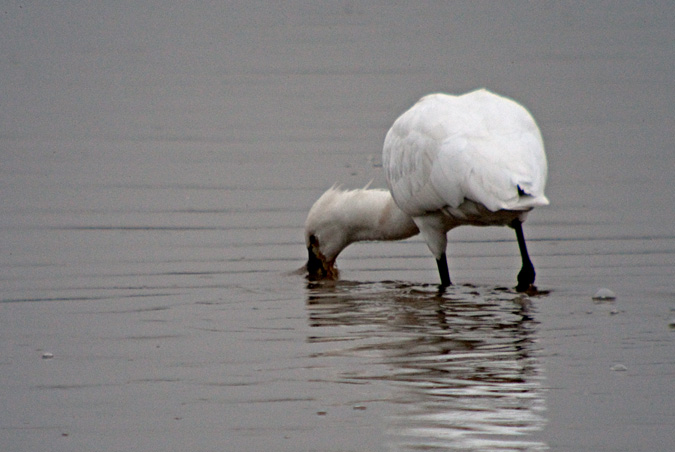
443,271
526,275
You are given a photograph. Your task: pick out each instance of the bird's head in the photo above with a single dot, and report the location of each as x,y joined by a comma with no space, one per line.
318,266
326,235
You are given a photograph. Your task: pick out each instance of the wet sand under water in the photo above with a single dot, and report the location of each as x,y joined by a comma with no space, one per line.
346,366
155,189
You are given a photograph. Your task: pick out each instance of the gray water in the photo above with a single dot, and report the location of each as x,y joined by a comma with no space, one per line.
157,162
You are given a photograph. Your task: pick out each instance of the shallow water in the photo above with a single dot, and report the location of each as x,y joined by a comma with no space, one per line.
157,164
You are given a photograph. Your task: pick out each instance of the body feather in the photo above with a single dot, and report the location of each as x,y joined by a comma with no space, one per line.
475,159
479,147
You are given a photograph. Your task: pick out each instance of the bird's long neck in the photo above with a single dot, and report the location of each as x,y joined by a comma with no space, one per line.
373,216
339,218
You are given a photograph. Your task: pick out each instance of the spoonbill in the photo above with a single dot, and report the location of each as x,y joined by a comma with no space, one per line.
474,159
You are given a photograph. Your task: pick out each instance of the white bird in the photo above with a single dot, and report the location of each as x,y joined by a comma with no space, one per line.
476,159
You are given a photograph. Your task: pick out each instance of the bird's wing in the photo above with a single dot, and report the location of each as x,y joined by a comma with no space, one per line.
479,146
410,153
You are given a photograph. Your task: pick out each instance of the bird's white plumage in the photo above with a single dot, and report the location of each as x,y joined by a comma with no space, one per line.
340,217
475,159
479,147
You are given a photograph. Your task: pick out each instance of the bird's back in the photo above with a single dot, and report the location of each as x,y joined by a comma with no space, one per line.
478,146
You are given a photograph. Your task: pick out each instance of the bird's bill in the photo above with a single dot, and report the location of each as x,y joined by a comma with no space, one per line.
318,268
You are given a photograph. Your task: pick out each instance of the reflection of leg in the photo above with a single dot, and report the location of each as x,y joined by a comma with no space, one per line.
443,270
526,275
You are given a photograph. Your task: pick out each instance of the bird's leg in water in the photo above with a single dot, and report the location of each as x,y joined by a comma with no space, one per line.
443,271
526,275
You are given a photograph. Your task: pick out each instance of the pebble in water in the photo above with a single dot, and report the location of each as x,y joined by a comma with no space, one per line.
604,294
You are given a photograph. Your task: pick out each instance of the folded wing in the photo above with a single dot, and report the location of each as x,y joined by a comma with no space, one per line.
479,146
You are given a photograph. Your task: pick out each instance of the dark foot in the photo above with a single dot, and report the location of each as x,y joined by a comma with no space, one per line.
533,291
525,278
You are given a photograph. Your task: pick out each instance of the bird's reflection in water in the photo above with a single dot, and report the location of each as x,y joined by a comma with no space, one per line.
462,365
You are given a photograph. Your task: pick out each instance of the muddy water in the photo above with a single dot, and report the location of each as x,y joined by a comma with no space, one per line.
156,167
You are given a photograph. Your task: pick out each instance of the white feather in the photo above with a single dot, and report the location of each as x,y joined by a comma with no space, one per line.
479,147
340,217
474,159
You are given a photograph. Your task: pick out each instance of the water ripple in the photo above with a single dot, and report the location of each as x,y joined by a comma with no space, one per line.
462,365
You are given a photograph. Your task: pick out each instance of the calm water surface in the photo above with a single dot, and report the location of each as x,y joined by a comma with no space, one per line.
156,166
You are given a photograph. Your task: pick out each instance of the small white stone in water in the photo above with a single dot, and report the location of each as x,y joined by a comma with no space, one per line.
604,294
47,355
619,368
